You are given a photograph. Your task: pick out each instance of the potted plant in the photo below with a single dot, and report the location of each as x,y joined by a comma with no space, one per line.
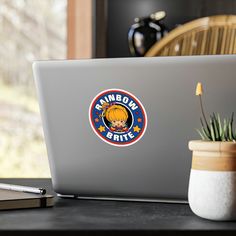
212,184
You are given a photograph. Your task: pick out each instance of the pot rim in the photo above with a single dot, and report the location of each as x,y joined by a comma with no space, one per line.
216,146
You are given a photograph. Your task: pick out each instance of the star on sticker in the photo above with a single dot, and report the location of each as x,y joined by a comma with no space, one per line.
139,120
101,128
136,129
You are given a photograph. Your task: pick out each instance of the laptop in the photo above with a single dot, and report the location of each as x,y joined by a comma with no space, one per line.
119,128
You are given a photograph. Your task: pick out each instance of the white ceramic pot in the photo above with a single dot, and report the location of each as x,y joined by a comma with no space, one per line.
212,184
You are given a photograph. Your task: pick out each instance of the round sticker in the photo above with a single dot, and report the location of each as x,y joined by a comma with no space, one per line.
118,117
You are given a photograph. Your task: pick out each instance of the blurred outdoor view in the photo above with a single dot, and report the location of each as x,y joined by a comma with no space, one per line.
29,30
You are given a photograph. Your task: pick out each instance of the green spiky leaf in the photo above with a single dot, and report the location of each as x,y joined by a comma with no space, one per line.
220,130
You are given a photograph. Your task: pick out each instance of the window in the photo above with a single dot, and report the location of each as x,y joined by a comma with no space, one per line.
29,30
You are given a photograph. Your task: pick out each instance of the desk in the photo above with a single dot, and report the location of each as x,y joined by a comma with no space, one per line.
93,217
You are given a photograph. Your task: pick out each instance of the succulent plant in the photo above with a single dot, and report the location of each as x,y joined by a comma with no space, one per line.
217,129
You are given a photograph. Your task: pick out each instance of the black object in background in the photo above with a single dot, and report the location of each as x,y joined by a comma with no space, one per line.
121,14
145,32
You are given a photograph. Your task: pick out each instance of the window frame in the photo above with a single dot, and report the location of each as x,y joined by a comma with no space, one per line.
86,28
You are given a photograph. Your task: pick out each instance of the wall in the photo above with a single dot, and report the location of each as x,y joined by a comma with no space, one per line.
121,14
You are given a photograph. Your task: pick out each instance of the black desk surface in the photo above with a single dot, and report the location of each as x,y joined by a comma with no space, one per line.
93,217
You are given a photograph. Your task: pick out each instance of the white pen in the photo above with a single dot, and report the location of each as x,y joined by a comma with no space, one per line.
25,189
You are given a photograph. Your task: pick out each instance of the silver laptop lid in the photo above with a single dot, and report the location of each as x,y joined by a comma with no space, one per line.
92,153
